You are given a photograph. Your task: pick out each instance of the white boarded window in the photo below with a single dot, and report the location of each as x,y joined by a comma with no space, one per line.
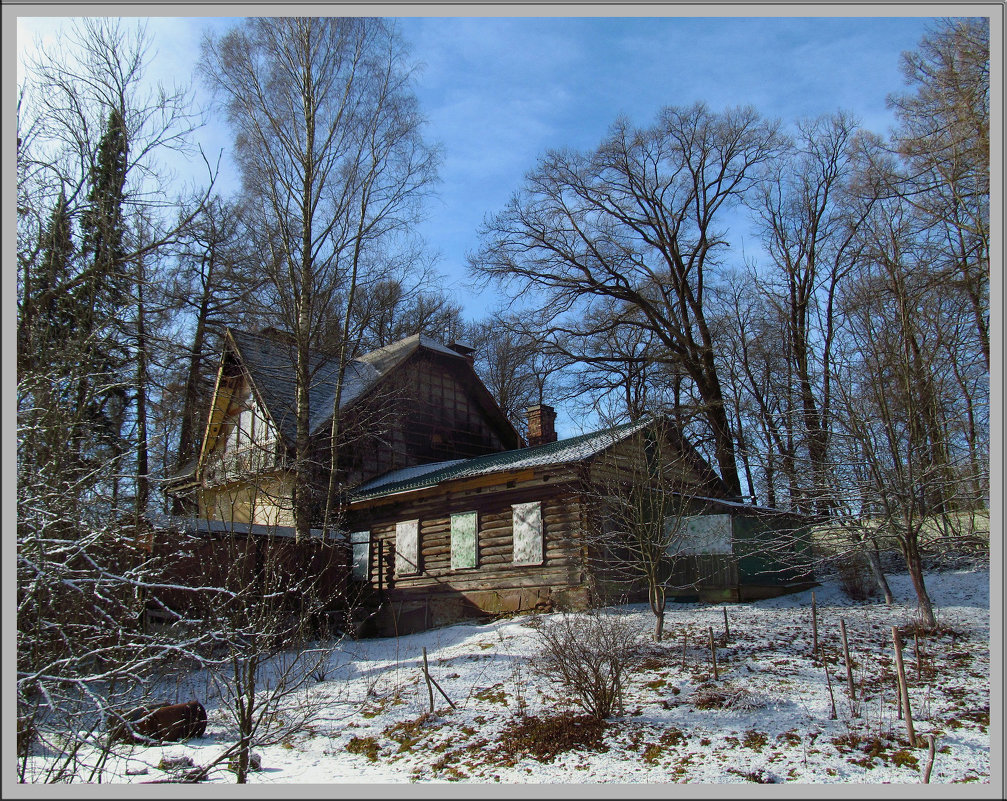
527,523
702,534
464,540
360,541
407,547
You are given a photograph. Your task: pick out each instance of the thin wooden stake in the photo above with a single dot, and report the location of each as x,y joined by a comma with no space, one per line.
916,645
727,628
828,679
431,680
903,687
814,627
930,759
713,654
685,643
846,656
426,675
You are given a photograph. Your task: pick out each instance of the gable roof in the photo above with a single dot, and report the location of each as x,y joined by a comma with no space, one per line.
269,362
567,451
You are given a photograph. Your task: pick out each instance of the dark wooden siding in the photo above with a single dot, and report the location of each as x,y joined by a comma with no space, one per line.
496,584
430,411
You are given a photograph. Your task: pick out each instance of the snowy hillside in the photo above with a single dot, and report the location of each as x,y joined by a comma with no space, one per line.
765,719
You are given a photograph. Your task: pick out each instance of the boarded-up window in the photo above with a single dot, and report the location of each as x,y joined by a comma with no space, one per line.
407,547
702,534
360,541
464,540
527,521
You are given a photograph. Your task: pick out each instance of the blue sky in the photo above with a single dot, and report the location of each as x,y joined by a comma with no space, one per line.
499,92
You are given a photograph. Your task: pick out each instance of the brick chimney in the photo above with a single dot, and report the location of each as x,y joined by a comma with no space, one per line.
541,425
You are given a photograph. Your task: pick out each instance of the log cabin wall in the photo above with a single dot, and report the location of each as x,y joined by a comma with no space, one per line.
437,593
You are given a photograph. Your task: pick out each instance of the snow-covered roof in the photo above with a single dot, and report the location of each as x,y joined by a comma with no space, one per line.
574,449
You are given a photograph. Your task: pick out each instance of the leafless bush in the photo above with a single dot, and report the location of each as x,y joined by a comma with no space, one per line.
855,577
726,697
589,653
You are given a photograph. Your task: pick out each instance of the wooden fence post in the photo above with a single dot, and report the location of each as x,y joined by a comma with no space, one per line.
903,687
727,628
426,675
932,752
849,665
685,644
814,627
713,655
828,679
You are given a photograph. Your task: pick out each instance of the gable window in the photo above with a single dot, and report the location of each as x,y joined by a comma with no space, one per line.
527,524
360,541
407,547
464,540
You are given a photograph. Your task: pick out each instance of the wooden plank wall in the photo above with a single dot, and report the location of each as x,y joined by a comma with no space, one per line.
496,584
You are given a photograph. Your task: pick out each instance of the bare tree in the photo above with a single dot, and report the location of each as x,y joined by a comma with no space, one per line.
89,195
808,223
944,139
257,600
900,460
328,141
637,223
644,492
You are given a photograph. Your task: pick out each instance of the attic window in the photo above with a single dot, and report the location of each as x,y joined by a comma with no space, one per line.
527,524
464,540
407,547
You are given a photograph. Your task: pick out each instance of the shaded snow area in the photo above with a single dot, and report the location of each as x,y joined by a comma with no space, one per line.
766,719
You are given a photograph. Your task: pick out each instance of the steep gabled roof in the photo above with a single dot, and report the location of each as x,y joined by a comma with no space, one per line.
567,451
269,361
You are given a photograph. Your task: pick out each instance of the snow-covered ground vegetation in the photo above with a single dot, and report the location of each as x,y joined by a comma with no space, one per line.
767,717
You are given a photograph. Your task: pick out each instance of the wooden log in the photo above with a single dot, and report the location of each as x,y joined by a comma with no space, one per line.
903,687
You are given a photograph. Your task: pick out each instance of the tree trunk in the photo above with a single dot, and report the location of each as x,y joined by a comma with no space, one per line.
142,454
874,561
915,565
658,601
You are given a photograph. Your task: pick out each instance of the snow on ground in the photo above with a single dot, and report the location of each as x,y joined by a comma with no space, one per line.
766,719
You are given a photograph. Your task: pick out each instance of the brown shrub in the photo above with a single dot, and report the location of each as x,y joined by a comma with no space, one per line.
545,738
855,577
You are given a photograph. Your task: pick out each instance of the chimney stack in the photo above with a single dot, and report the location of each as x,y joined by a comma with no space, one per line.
541,425
464,350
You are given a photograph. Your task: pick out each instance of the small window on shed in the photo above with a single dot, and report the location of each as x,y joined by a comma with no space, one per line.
464,540
407,547
702,534
361,544
527,524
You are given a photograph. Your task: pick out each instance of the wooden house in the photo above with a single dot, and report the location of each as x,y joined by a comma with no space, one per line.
447,512
413,402
518,531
